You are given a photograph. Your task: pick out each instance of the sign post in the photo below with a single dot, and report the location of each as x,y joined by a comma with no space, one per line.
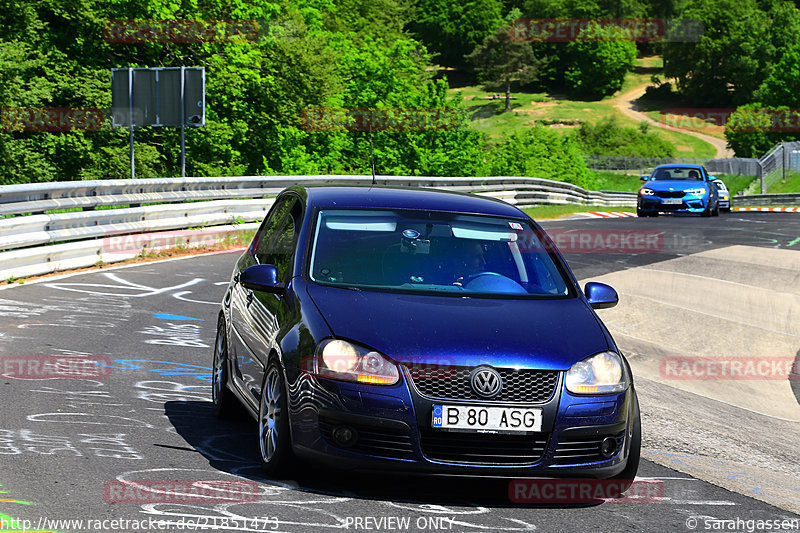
161,97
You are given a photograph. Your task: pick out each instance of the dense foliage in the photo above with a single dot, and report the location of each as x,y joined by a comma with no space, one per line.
607,137
321,58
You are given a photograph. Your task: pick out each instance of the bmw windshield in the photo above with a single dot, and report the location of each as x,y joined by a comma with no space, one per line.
429,252
678,173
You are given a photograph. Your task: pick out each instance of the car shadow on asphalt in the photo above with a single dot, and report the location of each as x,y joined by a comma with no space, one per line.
230,444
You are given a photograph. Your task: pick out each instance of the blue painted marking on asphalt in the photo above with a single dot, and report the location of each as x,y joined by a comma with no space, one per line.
166,316
165,368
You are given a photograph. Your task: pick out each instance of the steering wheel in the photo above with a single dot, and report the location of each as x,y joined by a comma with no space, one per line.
492,282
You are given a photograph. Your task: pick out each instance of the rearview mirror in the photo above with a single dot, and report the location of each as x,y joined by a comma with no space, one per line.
600,295
645,178
262,278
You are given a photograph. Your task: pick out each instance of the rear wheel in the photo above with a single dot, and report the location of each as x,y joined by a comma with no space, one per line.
222,399
273,423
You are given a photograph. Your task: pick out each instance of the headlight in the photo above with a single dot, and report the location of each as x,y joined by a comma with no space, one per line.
344,360
602,373
646,192
699,190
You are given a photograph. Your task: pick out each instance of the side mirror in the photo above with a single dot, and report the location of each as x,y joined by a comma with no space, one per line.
600,295
262,278
645,178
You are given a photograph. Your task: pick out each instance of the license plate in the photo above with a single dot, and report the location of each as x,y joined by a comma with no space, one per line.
671,201
475,418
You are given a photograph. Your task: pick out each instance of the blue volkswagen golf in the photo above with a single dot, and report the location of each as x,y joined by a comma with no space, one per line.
423,331
678,188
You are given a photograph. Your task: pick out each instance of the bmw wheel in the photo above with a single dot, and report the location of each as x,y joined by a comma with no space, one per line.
222,399
273,422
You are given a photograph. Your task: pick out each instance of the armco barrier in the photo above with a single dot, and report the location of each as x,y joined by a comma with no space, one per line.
35,242
766,200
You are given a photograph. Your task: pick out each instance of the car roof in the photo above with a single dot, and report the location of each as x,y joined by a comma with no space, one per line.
392,197
679,165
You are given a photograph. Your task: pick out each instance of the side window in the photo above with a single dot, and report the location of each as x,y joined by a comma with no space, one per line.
281,246
266,233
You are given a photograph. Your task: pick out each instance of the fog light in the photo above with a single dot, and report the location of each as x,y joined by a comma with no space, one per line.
608,447
345,436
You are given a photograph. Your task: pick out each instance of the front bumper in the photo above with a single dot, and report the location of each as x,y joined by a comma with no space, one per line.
394,433
686,204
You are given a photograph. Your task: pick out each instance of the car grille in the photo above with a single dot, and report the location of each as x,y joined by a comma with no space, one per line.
583,449
384,442
452,383
670,194
482,448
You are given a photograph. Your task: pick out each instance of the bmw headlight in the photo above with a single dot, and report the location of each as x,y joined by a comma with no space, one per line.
339,359
697,191
602,373
646,192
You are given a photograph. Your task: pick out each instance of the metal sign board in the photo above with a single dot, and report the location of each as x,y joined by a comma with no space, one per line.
169,97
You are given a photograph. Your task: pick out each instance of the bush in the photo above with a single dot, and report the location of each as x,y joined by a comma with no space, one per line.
541,153
607,137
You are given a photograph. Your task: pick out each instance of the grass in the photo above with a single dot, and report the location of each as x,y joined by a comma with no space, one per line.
616,181
791,184
545,212
735,183
563,114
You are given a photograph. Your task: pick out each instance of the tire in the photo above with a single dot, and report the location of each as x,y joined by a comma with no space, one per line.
224,404
715,213
640,213
706,212
634,451
275,443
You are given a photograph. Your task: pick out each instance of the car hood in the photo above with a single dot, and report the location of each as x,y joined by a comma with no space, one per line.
678,185
442,330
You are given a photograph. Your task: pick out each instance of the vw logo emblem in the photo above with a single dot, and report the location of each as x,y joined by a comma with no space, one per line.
486,381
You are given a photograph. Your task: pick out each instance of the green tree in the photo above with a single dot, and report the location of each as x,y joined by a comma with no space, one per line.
597,62
755,128
501,60
731,59
452,30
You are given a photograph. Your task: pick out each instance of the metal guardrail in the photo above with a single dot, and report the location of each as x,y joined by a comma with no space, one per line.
35,242
766,200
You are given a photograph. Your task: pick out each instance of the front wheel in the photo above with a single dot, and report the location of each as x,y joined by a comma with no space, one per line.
273,423
627,476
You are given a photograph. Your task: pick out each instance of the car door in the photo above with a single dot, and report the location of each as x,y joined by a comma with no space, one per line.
253,314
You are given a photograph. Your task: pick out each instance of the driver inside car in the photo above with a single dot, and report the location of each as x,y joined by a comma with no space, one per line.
472,262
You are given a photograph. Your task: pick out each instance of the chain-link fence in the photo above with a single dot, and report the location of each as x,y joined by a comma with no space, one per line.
783,158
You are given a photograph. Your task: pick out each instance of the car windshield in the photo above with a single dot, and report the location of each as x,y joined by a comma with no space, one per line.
678,173
720,185
429,252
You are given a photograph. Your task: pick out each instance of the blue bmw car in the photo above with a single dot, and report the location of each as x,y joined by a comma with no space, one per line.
678,188
421,331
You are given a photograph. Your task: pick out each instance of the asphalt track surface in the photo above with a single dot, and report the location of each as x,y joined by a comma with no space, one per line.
66,443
